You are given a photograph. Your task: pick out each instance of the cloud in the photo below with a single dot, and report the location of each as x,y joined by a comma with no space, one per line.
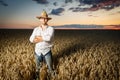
118,12
72,8
67,1
81,5
114,13
90,1
96,5
106,4
55,4
3,3
108,7
112,27
92,15
57,11
41,1
78,9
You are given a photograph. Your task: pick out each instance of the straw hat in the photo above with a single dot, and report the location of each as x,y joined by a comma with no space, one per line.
44,15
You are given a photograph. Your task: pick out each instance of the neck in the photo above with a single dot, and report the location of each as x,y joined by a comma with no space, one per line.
44,26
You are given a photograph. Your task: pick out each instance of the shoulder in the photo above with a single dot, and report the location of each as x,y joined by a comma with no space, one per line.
50,28
36,28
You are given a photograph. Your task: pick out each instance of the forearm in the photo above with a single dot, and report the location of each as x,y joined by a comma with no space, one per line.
37,39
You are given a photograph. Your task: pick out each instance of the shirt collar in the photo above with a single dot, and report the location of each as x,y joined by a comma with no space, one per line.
41,28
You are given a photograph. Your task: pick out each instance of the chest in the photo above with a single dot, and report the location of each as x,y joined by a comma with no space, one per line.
40,32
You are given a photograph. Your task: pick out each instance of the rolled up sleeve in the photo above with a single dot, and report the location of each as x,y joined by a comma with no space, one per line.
32,36
48,36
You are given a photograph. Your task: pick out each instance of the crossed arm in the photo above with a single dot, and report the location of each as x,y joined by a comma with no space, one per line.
37,39
44,37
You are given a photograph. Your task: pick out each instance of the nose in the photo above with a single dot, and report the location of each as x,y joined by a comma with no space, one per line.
44,19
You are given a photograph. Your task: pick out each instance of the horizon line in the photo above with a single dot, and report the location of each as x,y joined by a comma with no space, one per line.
67,28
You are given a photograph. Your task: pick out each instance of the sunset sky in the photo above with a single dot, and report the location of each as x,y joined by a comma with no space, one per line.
22,13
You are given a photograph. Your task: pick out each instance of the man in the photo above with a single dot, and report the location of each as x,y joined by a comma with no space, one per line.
42,36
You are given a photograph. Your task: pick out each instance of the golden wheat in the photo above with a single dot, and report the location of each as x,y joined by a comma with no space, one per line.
76,56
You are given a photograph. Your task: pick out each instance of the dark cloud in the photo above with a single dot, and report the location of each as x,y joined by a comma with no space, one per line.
92,15
57,11
96,5
109,7
3,3
92,5
81,4
93,8
41,1
90,1
72,8
67,1
55,4
111,4
78,9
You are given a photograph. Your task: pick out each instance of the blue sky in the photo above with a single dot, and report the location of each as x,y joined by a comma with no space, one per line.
24,12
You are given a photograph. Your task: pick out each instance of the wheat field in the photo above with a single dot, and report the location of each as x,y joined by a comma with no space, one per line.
77,55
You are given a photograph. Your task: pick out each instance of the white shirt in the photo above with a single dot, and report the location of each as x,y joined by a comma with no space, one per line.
47,36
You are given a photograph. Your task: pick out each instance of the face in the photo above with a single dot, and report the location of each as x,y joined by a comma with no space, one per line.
43,21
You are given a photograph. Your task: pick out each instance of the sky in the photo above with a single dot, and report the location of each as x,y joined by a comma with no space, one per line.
22,13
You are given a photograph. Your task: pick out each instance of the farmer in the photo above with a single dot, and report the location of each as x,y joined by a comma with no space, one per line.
42,36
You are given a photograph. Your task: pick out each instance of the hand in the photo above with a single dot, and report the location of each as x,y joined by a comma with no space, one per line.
38,39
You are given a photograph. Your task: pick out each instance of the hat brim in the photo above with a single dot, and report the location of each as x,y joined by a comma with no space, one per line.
38,17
